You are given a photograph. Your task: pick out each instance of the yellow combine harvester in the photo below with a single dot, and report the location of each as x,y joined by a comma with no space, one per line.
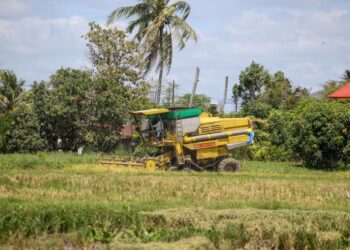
188,138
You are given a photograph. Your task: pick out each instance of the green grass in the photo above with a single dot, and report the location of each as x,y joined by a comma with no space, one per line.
71,201
52,160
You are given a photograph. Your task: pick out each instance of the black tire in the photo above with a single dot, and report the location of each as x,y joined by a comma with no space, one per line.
229,165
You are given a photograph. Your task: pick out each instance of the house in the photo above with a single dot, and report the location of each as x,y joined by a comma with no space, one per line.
341,94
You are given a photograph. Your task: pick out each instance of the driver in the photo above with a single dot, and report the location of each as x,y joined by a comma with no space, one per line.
158,129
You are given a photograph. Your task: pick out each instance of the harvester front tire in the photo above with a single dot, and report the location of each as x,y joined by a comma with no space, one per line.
229,165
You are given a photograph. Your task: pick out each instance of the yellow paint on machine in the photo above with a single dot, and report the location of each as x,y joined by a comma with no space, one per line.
211,153
216,143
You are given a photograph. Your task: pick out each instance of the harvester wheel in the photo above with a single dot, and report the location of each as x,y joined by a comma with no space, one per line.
229,165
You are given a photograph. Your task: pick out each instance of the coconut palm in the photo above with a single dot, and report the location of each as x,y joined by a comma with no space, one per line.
11,90
157,25
346,76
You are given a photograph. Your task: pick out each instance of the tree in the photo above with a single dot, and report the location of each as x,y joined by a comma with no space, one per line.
252,81
113,54
10,90
24,134
328,88
200,100
117,85
157,25
62,107
277,90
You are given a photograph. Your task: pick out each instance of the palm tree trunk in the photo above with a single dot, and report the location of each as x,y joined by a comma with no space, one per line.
160,81
161,66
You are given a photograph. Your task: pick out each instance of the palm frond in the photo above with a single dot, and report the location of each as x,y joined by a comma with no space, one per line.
157,24
182,31
140,9
140,24
167,51
183,8
346,75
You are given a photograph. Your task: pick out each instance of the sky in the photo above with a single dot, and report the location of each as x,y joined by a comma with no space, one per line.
309,40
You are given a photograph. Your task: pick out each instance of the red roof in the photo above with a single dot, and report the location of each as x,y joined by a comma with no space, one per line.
342,93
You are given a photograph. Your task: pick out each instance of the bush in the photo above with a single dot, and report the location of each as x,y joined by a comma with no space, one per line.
321,134
256,108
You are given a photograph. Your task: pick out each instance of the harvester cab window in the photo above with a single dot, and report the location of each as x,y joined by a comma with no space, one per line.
152,128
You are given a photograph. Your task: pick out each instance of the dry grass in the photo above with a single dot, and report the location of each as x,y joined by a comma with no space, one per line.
145,190
276,203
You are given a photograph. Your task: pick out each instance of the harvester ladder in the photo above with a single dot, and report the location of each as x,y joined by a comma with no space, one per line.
179,130
179,138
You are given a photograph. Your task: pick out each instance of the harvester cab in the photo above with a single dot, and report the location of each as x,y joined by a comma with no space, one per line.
150,126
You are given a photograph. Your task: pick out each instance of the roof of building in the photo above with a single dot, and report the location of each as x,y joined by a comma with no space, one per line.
342,93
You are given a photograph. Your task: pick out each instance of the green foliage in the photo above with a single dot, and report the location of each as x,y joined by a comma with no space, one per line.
24,134
262,92
62,106
48,160
252,80
256,108
117,87
321,134
5,126
279,125
346,76
200,100
328,88
10,90
277,91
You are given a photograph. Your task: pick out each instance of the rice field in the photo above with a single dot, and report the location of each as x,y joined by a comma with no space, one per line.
64,201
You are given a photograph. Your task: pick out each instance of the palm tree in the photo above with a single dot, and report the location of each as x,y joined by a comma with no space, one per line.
157,25
11,90
346,76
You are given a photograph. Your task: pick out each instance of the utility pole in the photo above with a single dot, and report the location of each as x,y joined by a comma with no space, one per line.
196,80
173,94
225,96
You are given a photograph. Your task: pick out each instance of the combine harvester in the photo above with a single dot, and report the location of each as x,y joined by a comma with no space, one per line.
187,138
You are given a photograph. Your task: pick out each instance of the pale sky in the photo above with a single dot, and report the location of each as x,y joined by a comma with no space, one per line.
307,39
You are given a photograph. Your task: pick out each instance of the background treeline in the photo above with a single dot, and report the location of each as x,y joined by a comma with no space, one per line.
88,107
75,107
290,123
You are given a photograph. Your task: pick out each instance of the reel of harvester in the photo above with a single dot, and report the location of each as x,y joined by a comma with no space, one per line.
147,162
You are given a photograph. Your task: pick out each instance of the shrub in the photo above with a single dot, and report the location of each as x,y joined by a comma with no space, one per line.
321,134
